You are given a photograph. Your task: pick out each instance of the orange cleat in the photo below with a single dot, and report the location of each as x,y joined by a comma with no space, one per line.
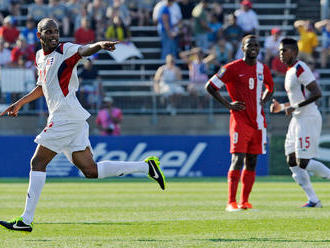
232,207
245,205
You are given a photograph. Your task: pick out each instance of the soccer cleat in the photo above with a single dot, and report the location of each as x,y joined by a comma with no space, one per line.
232,207
16,225
155,172
310,204
245,205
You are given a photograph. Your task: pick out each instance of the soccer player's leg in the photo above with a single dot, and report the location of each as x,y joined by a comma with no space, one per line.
247,180
239,137
103,169
39,161
314,167
233,177
304,150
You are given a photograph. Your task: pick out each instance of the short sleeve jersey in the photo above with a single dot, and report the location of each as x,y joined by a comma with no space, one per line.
296,79
57,74
245,83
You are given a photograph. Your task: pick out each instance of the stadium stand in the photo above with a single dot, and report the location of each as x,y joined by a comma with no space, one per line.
130,82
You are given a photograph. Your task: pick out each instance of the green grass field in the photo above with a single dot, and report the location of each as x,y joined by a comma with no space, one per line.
136,213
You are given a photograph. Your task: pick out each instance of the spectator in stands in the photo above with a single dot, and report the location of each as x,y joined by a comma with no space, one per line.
308,40
4,54
247,19
186,7
221,53
97,11
83,14
324,27
58,11
143,11
201,28
90,91
4,7
109,118
174,9
37,10
74,9
175,16
166,83
117,30
8,32
232,32
22,53
197,65
15,10
272,43
119,8
84,35
166,30
216,30
217,10
29,32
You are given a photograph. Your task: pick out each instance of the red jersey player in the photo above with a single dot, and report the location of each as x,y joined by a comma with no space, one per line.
244,80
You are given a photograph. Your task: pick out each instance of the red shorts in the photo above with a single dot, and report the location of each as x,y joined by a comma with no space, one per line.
246,139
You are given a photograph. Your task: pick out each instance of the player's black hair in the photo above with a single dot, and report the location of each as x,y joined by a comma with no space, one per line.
43,22
292,43
249,36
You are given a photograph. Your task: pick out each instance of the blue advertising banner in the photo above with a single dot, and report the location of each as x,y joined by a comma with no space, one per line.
180,156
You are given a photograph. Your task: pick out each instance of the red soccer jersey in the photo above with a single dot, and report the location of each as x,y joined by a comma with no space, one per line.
245,83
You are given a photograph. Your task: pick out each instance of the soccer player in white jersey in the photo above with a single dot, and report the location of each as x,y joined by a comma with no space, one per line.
67,129
302,138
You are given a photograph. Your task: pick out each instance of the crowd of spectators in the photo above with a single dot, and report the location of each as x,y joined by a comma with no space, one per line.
199,32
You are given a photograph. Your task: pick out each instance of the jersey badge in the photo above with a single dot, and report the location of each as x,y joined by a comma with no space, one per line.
221,72
50,61
260,77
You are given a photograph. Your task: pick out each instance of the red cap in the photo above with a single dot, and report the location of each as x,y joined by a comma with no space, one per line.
247,3
275,31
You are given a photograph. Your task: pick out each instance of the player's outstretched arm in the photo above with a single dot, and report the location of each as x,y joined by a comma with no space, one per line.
90,49
13,109
266,96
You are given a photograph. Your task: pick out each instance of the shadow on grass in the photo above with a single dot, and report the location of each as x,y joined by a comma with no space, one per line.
268,240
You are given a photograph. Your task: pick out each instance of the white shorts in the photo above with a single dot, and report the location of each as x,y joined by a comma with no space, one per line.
66,137
170,89
303,136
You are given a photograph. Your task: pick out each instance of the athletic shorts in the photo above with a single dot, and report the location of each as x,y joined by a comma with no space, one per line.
66,137
303,136
246,139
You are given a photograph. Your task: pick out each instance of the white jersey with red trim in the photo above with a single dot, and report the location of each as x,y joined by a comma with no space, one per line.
296,79
57,74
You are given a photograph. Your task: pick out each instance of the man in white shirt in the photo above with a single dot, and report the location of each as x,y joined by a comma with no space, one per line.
67,130
272,44
246,18
302,139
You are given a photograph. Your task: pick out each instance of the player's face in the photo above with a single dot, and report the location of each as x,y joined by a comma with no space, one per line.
251,48
287,54
49,36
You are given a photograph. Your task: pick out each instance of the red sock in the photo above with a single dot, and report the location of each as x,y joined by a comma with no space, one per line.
247,180
233,180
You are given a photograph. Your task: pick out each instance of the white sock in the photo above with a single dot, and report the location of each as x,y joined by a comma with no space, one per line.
37,182
302,178
120,168
318,169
